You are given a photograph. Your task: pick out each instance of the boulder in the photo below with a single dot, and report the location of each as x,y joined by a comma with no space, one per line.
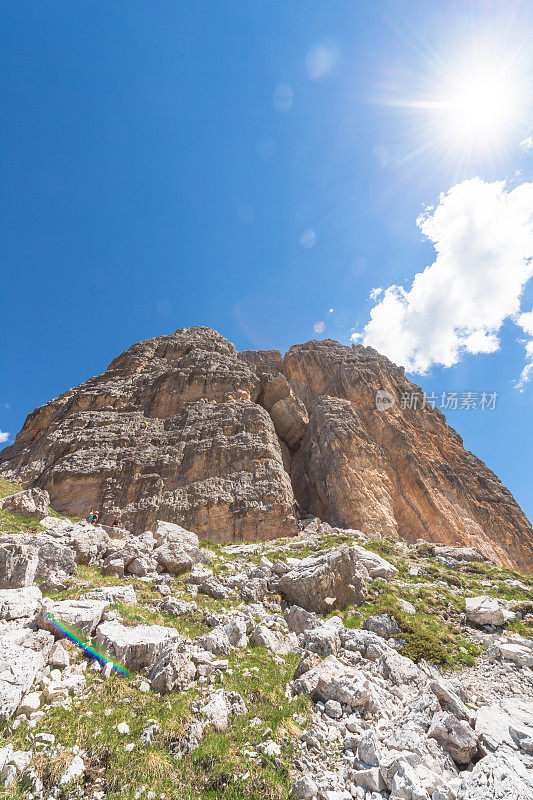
19,603
274,641
348,687
29,503
518,653
455,736
75,770
254,590
221,706
167,532
368,749
376,565
326,580
53,556
173,670
370,645
306,663
400,670
236,632
18,565
369,779
498,776
213,588
141,567
459,553
508,723
382,625
198,574
300,620
122,594
81,615
305,788
216,641
173,558
87,542
18,667
484,610
58,656
29,703
405,606
324,640
450,701
332,680
137,647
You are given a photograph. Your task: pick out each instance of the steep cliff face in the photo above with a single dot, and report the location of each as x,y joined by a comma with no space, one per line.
399,470
171,430
184,428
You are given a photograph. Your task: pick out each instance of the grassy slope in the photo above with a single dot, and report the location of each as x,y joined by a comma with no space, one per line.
225,766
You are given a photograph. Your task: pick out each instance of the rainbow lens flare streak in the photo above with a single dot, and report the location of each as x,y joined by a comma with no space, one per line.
85,647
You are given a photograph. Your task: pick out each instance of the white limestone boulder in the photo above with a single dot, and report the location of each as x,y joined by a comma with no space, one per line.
19,603
137,647
18,564
18,667
377,566
485,610
82,615
326,580
28,503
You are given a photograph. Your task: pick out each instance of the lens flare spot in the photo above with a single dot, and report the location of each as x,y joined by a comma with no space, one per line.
318,327
308,239
283,97
320,61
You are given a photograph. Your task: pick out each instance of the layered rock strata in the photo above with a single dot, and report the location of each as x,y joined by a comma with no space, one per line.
184,428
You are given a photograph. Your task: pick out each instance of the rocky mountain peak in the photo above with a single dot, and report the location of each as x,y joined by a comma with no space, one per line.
184,428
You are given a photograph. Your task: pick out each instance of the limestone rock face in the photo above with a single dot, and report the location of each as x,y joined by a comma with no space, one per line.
401,470
170,431
183,428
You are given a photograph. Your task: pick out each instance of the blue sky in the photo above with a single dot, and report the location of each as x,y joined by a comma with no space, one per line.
249,166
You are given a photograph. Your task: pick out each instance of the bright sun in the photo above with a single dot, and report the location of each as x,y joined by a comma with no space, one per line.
479,108
474,101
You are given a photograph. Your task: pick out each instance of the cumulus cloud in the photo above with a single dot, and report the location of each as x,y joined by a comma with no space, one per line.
483,237
525,321
526,144
4,436
375,292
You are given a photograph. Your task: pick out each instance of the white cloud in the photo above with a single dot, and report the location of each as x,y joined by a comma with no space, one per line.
525,321
375,292
526,144
483,237
4,436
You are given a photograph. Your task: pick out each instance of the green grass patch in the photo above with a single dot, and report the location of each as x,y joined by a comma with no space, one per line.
14,523
431,633
223,767
7,488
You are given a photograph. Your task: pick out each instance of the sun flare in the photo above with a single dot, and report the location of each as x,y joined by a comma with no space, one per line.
481,107
466,103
